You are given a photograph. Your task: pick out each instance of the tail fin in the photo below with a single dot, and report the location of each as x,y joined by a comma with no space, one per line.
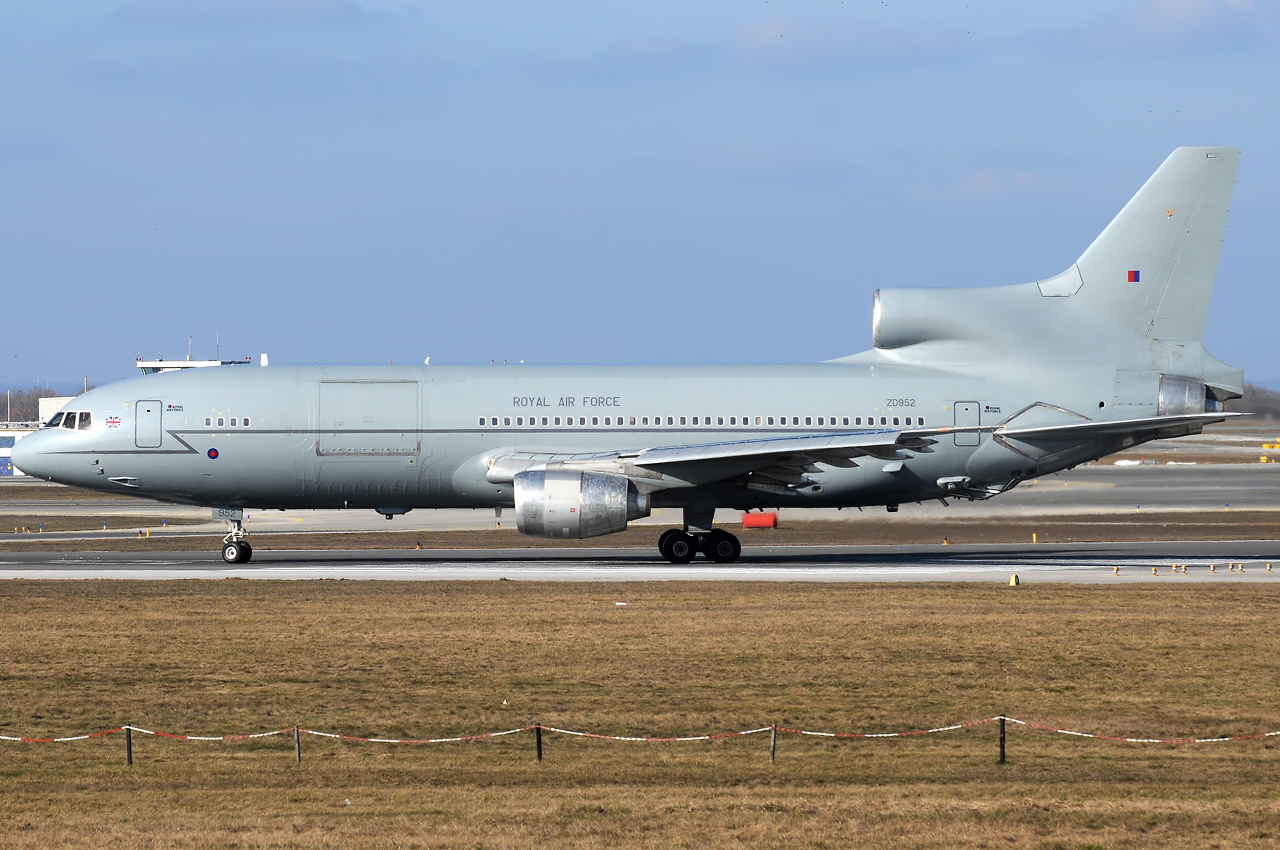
1152,269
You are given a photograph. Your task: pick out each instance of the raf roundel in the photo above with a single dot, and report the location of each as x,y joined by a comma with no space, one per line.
213,454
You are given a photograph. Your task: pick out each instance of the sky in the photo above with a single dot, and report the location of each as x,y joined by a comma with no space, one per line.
625,182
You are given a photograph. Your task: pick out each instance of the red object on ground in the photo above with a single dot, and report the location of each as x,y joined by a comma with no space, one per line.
759,520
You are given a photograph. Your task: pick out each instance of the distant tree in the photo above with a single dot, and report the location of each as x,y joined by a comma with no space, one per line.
1257,400
24,404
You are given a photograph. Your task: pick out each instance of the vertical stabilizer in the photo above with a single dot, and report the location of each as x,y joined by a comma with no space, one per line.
1152,269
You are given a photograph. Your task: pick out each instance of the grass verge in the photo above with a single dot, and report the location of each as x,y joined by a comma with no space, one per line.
429,658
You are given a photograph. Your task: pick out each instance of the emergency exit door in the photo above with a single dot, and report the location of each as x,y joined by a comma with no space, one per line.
966,415
147,428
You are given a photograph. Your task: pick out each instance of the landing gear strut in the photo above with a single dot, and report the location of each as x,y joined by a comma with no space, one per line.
235,549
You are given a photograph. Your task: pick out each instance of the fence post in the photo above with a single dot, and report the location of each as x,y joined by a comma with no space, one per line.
297,744
537,737
773,743
1002,739
128,745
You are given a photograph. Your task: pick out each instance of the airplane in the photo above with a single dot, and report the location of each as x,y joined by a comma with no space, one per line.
966,393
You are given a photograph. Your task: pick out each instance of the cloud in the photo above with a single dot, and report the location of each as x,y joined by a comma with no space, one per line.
241,13
788,44
623,58
990,182
1174,26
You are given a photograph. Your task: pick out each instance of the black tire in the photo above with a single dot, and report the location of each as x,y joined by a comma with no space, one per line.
680,548
662,540
246,554
721,547
232,552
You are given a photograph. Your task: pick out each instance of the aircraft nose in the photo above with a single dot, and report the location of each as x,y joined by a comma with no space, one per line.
26,455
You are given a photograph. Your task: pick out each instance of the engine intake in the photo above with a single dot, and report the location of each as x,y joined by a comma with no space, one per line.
566,504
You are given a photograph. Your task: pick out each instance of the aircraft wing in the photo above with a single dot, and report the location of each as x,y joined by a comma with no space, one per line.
773,461
1157,426
884,445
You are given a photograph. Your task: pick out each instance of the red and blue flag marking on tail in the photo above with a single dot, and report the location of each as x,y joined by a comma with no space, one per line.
1133,276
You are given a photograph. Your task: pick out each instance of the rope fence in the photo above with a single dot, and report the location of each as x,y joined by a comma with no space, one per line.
538,729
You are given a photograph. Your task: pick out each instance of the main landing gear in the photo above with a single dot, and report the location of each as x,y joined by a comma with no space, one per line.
235,549
681,547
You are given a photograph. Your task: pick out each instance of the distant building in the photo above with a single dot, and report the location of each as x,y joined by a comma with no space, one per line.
8,436
51,405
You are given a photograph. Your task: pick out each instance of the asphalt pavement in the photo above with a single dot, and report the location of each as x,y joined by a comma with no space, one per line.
1075,563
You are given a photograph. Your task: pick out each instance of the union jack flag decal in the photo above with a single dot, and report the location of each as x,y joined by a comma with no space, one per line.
113,421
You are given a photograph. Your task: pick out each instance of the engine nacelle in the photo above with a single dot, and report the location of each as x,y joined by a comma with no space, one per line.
567,504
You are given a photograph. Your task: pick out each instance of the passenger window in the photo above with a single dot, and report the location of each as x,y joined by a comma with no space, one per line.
557,420
808,420
506,420
883,421
908,420
481,421
607,421
819,420
920,421
733,420
244,423
757,420
208,421
519,420
795,420
644,420
234,421
633,421
670,421
682,421
770,420
221,422
55,421
895,421
846,420
595,420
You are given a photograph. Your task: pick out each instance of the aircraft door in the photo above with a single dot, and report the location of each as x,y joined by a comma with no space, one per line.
147,425
966,414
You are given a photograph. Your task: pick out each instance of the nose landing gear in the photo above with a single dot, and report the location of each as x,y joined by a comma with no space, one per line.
235,549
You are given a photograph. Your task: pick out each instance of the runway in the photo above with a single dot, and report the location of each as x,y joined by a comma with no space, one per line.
1034,564
1094,489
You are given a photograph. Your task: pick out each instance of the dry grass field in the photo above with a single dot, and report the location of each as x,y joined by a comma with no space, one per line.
430,658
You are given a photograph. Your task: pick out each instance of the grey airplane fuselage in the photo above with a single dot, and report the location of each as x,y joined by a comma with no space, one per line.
387,437
966,392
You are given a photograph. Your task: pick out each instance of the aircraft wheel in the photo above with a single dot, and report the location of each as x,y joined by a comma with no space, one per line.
721,547
232,552
662,540
246,553
680,548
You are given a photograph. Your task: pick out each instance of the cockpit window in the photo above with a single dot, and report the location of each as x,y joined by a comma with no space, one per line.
55,421
86,420
69,421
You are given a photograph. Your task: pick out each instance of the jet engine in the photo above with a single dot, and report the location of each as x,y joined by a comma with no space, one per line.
567,504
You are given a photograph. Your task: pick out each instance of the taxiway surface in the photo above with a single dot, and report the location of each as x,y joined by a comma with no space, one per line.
1082,562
